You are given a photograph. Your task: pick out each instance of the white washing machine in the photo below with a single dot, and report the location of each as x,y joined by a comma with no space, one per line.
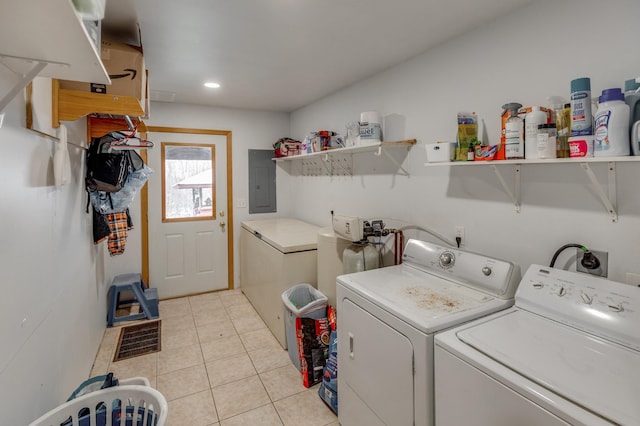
387,319
567,353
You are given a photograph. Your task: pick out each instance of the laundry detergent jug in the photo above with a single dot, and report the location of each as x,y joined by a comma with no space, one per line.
632,98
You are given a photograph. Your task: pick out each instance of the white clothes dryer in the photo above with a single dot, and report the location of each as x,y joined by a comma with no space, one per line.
387,319
567,353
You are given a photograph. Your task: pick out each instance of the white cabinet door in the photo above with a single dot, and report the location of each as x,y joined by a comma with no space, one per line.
376,368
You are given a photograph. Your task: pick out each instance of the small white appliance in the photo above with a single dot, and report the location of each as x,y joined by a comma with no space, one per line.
351,228
567,353
387,319
276,254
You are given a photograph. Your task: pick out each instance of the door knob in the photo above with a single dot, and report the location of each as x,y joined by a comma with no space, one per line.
222,224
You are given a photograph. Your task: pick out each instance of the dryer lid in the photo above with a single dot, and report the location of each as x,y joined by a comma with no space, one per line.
600,376
427,302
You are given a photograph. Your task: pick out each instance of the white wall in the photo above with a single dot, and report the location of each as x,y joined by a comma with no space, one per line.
250,130
524,57
55,280
52,309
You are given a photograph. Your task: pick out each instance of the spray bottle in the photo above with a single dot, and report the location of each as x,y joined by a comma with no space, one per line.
513,132
581,118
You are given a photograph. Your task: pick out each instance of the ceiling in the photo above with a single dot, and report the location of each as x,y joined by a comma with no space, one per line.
280,55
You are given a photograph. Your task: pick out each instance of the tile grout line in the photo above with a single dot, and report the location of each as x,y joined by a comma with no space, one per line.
258,374
227,308
206,371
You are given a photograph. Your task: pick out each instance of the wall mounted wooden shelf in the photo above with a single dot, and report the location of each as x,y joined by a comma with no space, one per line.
70,105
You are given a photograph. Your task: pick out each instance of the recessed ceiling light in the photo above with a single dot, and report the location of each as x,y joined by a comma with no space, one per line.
212,85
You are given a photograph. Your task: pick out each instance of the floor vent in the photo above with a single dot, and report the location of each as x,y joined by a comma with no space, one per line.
139,339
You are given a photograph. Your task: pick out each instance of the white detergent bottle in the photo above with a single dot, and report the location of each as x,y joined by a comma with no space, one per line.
612,125
532,121
513,132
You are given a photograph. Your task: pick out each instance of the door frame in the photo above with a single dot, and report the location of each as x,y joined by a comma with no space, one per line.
144,197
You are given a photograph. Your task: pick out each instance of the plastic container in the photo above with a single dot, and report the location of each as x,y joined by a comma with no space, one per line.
92,10
301,301
612,125
532,121
370,130
546,140
561,116
581,146
149,404
359,257
581,119
513,132
632,98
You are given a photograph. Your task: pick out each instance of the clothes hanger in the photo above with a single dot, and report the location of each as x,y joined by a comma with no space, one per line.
131,141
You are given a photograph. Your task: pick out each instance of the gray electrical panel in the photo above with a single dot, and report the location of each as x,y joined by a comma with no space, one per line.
262,181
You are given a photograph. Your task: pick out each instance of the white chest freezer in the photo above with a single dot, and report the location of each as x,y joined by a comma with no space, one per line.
275,255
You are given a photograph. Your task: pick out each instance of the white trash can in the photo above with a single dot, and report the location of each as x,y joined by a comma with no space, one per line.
301,301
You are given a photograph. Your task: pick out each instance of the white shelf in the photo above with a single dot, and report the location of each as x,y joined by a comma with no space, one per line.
629,159
374,147
608,197
340,160
46,38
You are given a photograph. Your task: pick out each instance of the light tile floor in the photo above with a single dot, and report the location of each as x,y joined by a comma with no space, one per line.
219,366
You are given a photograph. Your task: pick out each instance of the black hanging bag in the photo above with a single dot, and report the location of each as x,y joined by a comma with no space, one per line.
108,169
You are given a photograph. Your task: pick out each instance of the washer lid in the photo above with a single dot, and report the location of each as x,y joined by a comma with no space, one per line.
285,235
600,376
427,302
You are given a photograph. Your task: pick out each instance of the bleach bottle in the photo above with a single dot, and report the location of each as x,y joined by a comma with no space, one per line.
612,125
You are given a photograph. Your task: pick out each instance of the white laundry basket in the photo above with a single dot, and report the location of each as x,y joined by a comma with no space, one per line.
149,404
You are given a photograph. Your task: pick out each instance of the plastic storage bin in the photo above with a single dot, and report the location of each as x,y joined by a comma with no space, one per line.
301,301
142,405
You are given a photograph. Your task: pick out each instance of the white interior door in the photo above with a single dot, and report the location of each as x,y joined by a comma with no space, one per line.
188,251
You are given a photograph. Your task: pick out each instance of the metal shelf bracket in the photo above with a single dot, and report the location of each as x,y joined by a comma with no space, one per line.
515,195
393,160
609,200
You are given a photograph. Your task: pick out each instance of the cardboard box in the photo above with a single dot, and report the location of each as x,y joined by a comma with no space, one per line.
125,66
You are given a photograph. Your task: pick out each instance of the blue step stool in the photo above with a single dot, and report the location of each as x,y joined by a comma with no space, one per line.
133,286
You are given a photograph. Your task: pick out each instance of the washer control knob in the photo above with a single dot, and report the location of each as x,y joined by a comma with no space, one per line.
562,291
615,308
486,271
538,285
447,259
586,299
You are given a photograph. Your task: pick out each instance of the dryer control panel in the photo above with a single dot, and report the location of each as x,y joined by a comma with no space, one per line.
606,308
493,276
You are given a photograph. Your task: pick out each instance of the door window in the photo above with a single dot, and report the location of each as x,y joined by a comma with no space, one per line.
188,182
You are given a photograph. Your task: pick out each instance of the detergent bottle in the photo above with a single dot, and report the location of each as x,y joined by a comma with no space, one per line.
513,132
612,125
632,98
